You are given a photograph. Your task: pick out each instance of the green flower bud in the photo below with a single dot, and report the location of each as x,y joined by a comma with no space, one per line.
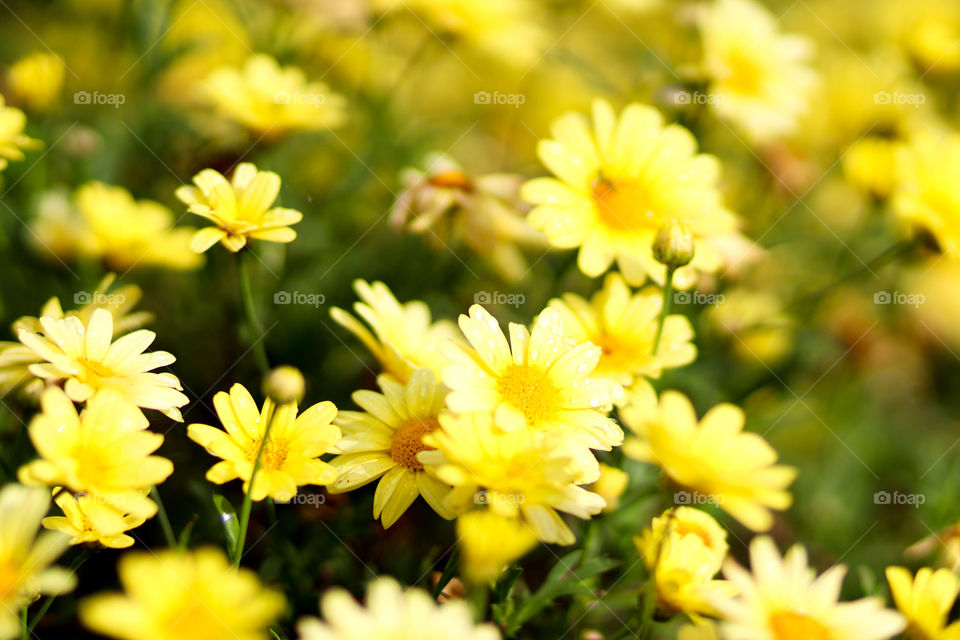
284,385
673,245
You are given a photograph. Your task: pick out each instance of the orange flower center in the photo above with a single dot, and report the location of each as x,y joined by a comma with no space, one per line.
408,441
625,205
530,390
452,179
798,626
273,456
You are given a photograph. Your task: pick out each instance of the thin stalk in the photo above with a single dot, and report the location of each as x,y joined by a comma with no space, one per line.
164,520
665,310
48,601
248,496
250,309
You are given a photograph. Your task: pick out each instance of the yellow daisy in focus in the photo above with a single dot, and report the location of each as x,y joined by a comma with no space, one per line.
617,183
271,100
87,519
489,542
195,595
784,599
26,558
242,209
391,612
404,335
12,138
715,457
541,380
925,601
36,80
291,456
624,326
760,79
383,442
88,359
104,452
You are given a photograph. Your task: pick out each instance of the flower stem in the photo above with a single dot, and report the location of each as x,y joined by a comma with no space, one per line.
164,520
248,496
49,599
24,629
665,309
256,329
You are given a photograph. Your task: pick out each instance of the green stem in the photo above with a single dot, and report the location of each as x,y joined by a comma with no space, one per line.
49,599
248,497
164,520
256,329
24,628
886,256
665,310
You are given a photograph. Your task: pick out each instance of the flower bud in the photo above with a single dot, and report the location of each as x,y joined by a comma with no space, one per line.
673,245
284,385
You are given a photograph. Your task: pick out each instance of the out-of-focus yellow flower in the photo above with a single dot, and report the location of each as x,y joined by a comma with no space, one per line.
946,542
395,613
617,184
291,456
784,599
490,542
88,359
109,225
36,80
759,329
871,164
241,209
384,441
103,452
925,601
483,211
683,549
929,34
704,629
85,520
26,557
271,100
760,78
518,473
733,469
284,384
404,336
195,595
12,138
610,485
624,326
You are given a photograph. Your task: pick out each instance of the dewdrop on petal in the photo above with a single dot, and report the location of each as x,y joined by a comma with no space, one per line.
284,384
673,245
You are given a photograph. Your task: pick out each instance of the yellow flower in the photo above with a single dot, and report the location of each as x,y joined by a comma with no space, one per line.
519,473
783,599
490,542
103,452
384,440
760,78
610,486
12,139
539,381
925,601
679,522
109,225
871,164
291,457
241,209
404,336
395,613
271,100
87,519
618,183
734,469
624,326
37,80
85,355
195,595
25,557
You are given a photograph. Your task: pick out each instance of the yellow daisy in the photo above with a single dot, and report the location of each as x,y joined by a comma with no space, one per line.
12,139
489,542
540,380
26,558
103,452
195,595
85,355
785,600
926,601
384,440
714,457
619,182
291,457
241,209
404,335
391,612
37,80
86,519
624,326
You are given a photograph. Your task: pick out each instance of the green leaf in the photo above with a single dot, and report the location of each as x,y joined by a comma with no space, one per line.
228,516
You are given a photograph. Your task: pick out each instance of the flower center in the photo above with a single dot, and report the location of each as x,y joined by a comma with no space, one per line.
798,626
452,179
619,356
273,456
744,72
530,390
93,372
408,441
625,205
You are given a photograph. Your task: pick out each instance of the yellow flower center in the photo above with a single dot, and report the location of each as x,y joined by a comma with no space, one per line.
625,205
197,622
619,356
9,579
744,73
408,441
452,179
798,626
530,390
273,456
92,372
